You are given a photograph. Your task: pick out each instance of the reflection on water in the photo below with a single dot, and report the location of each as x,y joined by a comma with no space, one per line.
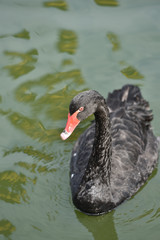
146,213
67,62
107,2
33,168
42,96
25,66
30,151
67,41
6,228
41,156
101,227
22,34
62,5
12,187
32,127
154,216
132,73
47,96
113,38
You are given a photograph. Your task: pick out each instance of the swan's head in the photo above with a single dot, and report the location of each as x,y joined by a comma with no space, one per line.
82,106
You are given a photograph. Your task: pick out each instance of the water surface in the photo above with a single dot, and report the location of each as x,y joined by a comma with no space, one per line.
50,51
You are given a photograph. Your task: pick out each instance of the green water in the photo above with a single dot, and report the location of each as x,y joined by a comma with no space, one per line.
50,51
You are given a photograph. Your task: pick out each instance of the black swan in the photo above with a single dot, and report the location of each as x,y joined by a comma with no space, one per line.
114,157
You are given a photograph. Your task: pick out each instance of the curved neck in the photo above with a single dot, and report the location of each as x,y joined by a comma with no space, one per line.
100,159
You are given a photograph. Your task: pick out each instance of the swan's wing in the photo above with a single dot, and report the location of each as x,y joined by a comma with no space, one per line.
128,174
134,150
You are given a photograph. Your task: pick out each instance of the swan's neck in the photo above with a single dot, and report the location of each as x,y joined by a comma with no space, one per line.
100,159
94,190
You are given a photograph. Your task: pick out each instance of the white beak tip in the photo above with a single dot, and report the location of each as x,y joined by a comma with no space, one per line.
64,135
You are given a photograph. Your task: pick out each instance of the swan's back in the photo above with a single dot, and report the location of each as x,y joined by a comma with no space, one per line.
134,147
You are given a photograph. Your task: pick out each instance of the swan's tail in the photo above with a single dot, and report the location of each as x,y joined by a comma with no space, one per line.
127,94
130,98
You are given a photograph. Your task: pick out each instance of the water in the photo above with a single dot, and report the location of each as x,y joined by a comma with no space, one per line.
50,51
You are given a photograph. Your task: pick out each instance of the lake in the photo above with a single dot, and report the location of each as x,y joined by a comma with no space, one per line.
49,52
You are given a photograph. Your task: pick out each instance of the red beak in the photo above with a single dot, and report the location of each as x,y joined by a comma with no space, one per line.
71,125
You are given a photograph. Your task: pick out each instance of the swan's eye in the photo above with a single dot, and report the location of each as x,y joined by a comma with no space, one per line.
81,109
